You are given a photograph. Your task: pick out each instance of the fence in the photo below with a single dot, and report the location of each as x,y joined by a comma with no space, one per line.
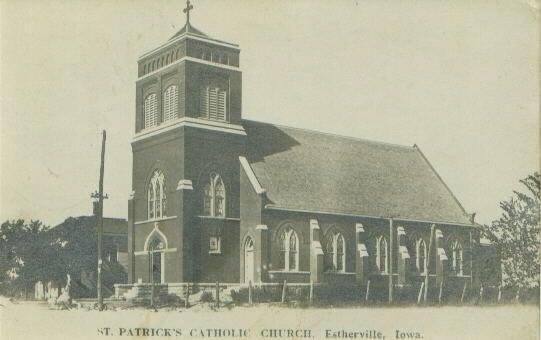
372,293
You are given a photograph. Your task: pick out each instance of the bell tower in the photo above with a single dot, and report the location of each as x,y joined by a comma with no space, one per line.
188,127
207,74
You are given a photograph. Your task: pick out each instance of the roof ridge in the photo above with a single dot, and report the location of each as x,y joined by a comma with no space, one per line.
357,139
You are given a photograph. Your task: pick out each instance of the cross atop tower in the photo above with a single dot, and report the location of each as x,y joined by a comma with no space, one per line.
187,10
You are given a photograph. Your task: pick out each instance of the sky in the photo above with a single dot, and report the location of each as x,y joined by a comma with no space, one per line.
460,79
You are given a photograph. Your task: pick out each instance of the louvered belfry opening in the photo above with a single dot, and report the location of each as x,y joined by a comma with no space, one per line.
151,111
213,103
170,103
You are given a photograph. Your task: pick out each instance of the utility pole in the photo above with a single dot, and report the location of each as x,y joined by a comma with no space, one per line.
99,221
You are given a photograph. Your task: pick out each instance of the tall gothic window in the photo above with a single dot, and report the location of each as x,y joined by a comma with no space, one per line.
421,256
157,202
150,111
289,250
457,258
170,103
214,196
213,103
382,261
282,242
335,252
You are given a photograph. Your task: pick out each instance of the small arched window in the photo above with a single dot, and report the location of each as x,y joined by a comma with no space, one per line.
170,103
382,261
335,252
214,196
150,111
157,202
289,250
421,256
457,258
167,60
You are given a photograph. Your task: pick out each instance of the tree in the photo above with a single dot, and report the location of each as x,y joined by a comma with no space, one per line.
31,252
23,255
516,235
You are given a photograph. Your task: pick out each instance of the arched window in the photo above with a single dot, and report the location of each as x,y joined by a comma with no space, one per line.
167,59
289,250
335,252
207,200
219,198
150,111
157,202
282,242
214,196
457,257
421,256
381,254
170,103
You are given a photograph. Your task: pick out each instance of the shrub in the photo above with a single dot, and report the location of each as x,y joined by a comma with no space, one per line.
206,297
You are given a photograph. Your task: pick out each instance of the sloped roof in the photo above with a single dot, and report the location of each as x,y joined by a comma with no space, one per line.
314,171
189,29
113,225
117,226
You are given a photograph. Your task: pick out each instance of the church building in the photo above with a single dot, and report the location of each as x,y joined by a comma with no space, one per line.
220,198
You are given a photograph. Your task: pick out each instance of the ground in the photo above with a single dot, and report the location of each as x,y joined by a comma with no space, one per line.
32,321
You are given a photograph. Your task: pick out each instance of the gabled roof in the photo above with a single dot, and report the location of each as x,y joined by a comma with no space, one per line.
313,171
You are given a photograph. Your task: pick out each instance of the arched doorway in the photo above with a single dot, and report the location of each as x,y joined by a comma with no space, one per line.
156,258
156,246
249,260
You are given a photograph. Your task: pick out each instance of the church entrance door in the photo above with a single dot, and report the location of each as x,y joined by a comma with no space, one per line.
249,260
156,261
156,267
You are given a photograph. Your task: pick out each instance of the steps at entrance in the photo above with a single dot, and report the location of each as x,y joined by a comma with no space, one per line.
141,292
